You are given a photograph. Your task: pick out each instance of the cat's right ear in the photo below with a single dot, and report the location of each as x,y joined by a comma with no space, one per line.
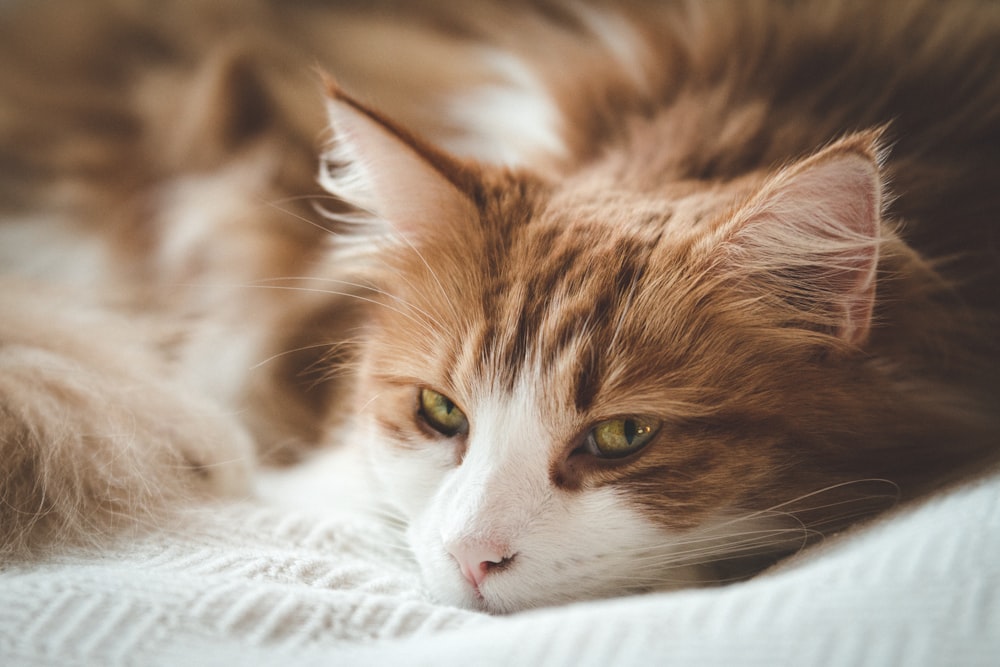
405,187
811,236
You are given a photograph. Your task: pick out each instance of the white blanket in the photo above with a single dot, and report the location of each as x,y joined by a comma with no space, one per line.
251,583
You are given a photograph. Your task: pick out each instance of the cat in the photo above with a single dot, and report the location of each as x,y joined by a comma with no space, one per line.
704,331
736,292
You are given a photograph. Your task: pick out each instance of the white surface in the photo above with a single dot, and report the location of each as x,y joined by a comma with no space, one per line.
256,584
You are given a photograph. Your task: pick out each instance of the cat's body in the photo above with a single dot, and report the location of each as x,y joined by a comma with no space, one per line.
738,292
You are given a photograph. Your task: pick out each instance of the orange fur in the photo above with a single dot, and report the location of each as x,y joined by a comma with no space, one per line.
657,251
716,250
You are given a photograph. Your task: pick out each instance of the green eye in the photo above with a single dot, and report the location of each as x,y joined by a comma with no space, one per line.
619,437
442,414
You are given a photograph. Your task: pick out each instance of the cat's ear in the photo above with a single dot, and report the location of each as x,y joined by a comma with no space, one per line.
811,236
408,187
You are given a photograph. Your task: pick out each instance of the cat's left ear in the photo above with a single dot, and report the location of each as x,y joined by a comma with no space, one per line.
811,237
407,187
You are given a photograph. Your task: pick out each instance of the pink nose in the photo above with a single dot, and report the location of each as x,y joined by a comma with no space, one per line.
476,559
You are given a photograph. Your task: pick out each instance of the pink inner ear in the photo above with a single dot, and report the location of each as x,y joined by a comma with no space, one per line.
861,198
377,170
818,225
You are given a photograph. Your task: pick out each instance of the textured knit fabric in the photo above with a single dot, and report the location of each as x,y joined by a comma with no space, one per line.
251,584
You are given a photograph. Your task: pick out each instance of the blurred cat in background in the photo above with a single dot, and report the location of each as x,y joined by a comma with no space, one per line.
616,296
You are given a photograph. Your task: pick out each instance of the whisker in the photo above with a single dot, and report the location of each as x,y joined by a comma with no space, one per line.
363,218
826,489
764,541
847,501
290,351
369,402
370,288
307,197
315,290
275,205
713,544
427,265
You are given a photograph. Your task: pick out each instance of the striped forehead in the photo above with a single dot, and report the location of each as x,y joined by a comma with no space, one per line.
554,313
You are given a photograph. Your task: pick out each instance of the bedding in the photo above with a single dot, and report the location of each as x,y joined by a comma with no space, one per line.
260,583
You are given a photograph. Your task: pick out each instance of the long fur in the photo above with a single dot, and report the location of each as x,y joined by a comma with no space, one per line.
738,237
642,234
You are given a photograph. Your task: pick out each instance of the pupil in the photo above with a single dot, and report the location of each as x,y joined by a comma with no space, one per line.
447,404
630,430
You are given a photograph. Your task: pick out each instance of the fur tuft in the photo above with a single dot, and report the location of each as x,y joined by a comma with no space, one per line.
89,446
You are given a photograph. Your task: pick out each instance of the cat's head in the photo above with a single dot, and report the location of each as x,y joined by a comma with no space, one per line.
574,389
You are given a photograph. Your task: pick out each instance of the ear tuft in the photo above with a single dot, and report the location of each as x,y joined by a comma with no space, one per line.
811,236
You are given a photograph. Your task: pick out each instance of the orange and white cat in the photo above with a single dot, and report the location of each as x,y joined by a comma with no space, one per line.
737,292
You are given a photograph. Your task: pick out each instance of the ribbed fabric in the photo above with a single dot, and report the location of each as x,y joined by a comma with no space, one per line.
247,584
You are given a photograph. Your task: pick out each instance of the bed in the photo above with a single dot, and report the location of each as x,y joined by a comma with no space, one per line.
256,582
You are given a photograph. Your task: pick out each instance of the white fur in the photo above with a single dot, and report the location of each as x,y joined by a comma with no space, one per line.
345,173
568,544
620,39
50,248
508,123
196,215
193,208
517,122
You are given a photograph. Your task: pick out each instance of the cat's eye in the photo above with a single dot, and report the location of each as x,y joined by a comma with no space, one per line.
621,436
441,413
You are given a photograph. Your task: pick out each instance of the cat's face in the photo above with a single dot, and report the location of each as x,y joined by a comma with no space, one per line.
569,391
529,417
